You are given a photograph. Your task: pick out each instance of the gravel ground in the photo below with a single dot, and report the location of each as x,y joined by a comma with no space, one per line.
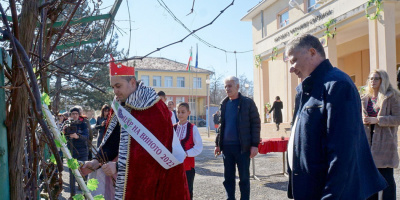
209,175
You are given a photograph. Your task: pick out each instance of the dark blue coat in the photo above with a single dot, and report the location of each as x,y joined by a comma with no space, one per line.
331,156
79,147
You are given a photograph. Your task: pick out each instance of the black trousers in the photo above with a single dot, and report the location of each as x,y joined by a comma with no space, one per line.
389,193
190,179
233,157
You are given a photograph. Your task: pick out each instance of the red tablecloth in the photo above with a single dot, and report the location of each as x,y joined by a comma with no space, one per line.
272,145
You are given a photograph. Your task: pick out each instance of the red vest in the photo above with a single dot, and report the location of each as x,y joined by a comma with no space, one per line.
188,143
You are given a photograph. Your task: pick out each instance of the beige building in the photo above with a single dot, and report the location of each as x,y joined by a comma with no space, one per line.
178,84
359,44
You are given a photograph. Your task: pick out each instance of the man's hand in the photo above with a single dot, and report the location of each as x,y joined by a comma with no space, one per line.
103,123
217,151
370,120
89,167
74,135
110,168
253,152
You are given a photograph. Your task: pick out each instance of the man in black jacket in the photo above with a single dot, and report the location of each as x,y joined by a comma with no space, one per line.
77,134
238,138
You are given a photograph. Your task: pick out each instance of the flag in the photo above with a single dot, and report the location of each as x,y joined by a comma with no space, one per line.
197,56
190,60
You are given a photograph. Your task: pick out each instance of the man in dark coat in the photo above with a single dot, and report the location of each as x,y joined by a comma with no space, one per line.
216,120
328,153
238,138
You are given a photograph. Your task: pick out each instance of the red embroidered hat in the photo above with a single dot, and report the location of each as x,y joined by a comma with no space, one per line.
120,69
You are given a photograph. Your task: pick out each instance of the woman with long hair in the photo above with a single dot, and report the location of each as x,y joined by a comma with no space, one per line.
277,108
101,123
60,121
381,117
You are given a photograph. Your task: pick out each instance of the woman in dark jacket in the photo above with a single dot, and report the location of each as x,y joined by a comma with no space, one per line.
277,107
101,123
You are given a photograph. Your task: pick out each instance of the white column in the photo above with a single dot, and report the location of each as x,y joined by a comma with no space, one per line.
331,51
286,105
386,28
291,84
373,45
258,88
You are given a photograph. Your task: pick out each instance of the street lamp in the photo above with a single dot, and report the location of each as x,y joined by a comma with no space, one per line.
208,107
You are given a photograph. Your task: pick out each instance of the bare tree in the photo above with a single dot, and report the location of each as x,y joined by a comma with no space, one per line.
243,82
33,36
217,92
16,121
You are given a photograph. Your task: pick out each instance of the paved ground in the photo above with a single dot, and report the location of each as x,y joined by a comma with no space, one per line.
209,175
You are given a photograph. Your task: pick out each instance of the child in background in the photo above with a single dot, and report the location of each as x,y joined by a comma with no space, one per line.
191,142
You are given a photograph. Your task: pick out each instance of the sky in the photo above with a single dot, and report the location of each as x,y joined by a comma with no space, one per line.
153,27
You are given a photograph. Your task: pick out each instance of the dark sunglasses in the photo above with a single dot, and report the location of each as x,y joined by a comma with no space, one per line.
374,78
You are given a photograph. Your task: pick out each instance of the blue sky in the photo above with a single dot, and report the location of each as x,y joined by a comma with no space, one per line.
153,27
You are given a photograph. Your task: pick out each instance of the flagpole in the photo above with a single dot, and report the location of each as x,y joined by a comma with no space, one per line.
197,85
190,59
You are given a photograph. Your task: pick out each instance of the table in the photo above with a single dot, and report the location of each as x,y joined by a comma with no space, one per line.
273,145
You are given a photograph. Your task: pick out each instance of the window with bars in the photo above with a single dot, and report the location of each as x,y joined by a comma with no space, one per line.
168,100
312,5
156,81
263,26
192,106
180,100
168,81
197,82
284,19
180,82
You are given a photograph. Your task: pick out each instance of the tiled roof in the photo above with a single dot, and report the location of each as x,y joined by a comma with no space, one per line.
162,64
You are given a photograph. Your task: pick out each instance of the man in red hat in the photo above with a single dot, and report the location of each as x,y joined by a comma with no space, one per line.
141,171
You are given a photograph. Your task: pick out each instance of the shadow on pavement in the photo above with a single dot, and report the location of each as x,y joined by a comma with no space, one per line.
207,172
277,185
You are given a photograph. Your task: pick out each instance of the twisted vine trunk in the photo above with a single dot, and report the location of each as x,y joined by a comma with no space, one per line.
17,119
57,96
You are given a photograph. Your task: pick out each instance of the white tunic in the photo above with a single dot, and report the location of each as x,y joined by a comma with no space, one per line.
181,131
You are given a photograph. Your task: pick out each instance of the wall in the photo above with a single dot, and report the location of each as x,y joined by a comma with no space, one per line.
357,44
398,50
257,86
353,59
187,90
296,18
174,92
201,103
266,87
